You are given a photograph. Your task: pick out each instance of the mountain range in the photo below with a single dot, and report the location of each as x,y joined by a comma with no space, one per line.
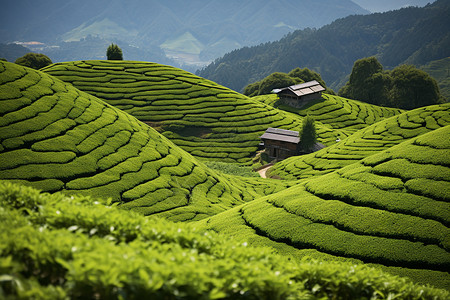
410,35
191,32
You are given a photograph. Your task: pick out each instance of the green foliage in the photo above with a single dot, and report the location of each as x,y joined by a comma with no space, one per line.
204,118
413,88
308,136
389,209
58,247
114,52
57,138
407,35
363,143
281,80
34,60
231,169
405,87
275,80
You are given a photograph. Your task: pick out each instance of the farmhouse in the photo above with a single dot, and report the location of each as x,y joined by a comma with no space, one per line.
281,143
299,94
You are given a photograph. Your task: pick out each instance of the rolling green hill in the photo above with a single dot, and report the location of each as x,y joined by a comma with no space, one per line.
368,141
345,115
58,247
391,209
55,137
205,119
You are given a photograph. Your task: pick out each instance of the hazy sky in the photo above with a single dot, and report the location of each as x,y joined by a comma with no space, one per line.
385,5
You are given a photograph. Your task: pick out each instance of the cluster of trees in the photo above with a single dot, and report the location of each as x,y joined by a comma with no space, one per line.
281,80
404,87
34,60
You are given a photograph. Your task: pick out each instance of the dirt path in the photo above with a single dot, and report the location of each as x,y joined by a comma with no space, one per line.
262,172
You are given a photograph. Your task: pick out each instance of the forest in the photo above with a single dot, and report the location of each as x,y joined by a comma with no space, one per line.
407,35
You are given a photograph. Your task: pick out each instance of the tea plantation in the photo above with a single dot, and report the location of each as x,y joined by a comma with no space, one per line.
55,137
368,141
356,215
205,119
345,115
59,247
391,209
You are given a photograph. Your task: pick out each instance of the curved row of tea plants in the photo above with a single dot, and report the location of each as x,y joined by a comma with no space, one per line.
371,140
54,137
339,113
392,208
59,247
204,118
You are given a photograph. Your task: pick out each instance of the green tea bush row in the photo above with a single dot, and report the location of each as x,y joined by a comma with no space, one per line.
364,143
162,93
363,220
60,247
276,223
72,141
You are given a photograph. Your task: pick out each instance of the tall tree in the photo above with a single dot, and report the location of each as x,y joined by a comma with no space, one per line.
308,136
114,52
362,80
34,60
413,88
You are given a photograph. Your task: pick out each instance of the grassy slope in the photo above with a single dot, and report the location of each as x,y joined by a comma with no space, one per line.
54,137
391,208
202,117
377,137
58,247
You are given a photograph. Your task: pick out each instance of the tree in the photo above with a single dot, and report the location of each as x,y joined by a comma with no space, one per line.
274,81
252,89
362,80
114,52
34,60
308,136
412,88
307,75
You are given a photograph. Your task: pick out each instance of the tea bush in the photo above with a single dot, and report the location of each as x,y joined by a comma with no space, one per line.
364,143
69,140
158,93
59,247
379,210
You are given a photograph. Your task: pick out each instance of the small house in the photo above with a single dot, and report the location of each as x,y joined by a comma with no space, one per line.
299,94
281,143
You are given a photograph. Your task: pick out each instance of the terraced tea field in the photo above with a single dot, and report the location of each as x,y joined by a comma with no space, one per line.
55,137
205,119
59,247
380,196
375,138
345,115
390,209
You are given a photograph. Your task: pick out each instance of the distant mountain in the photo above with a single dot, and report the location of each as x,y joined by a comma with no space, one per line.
192,31
386,5
409,35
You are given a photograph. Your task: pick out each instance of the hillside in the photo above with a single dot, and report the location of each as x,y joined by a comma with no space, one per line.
345,115
440,70
210,27
55,137
365,142
410,35
390,209
205,119
58,247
